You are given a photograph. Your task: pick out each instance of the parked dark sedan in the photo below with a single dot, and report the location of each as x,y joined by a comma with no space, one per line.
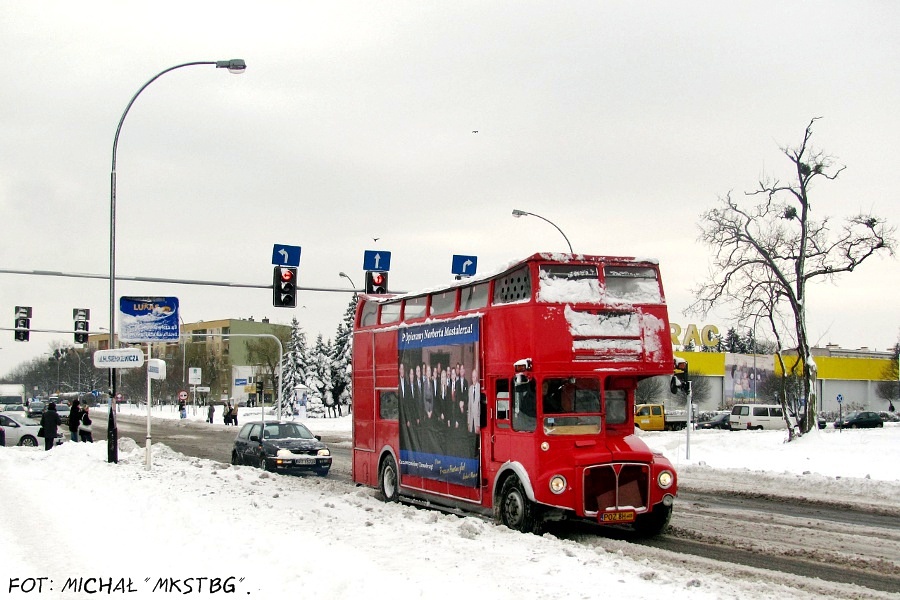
861,418
716,422
280,446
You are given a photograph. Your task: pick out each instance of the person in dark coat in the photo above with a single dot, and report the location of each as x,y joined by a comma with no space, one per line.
50,422
74,419
85,428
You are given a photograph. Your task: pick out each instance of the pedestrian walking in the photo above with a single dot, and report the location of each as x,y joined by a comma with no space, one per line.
74,419
182,410
234,414
210,412
85,429
50,423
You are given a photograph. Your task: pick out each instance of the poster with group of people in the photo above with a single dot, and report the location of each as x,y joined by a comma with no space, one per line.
439,395
744,375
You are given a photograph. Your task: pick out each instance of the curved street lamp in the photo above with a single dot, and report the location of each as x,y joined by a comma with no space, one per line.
521,213
236,66
347,277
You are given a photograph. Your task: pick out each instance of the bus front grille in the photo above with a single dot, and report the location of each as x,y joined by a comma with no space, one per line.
616,486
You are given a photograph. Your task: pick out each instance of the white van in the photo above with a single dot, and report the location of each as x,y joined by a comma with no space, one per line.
756,416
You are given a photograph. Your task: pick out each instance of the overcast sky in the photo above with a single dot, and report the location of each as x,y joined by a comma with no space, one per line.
621,122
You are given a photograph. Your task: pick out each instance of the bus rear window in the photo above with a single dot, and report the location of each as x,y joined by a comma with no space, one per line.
632,284
368,315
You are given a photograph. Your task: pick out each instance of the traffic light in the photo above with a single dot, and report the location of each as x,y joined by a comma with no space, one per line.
22,329
81,316
23,323
284,287
376,282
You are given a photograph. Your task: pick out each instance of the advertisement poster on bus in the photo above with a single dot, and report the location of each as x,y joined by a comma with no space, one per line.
439,397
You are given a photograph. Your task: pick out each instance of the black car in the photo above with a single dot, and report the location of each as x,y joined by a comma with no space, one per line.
860,418
36,409
281,446
716,422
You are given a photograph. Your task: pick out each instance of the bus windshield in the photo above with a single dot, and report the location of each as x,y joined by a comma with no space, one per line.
571,405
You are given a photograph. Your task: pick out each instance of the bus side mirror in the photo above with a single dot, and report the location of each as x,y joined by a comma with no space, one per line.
674,385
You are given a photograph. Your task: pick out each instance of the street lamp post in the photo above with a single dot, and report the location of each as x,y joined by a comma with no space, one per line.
521,213
347,277
233,66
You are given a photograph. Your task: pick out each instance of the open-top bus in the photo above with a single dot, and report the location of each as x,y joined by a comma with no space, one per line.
512,394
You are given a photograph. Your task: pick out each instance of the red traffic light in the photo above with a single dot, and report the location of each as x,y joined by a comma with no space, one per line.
284,289
376,282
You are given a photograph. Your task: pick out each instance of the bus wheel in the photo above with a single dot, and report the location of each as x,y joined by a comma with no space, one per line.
388,480
654,522
516,510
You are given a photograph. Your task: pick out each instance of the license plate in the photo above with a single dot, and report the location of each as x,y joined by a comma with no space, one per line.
617,516
305,461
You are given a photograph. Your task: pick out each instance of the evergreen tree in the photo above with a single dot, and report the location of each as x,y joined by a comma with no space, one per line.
732,342
342,359
749,342
319,371
296,359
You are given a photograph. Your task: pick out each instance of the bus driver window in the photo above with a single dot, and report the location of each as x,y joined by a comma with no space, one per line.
524,416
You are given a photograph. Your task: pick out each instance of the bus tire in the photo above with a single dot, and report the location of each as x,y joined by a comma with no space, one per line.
654,522
389,480
516,511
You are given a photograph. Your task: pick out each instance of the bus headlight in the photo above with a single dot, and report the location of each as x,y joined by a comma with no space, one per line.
665,479
558,484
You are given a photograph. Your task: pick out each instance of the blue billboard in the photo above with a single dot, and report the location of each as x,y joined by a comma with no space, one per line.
148,319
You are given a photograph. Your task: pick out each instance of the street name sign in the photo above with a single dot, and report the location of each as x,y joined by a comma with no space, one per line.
119,358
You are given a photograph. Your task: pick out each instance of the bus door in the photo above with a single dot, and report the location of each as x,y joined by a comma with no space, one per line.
497,450
516,414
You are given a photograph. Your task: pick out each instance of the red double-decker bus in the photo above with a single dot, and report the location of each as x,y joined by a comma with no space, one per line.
512,394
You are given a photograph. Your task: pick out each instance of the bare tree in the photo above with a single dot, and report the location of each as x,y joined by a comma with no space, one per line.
651,388
766,252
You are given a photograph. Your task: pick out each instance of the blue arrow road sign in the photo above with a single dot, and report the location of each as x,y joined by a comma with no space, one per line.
464,265
376,260
286,256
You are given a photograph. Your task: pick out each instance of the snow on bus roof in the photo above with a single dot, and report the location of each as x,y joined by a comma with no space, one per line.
475,279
